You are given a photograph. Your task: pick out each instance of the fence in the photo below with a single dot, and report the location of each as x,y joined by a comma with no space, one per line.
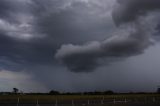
88,102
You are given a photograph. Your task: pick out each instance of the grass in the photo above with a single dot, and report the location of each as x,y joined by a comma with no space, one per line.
62,98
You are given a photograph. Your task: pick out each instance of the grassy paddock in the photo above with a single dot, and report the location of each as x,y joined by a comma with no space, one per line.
61,98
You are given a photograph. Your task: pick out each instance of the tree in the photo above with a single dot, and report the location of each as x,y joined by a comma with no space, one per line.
109,92
15,90
53,92
158,90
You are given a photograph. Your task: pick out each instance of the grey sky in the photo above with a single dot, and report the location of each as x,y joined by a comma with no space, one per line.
79,45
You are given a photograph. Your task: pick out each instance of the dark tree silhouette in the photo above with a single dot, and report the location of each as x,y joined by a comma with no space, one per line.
15,90
158,90
108,92
53,92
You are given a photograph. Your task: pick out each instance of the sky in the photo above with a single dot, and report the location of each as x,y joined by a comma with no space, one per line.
79,45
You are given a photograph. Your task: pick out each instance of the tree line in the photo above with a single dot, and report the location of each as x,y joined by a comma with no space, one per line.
55,92
16,91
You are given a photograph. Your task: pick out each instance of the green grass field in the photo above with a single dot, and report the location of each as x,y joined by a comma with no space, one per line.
61,98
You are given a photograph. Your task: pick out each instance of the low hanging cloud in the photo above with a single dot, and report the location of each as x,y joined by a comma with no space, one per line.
132,36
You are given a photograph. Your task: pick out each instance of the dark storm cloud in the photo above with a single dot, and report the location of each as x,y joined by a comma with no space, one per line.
69,21
86,58
129,10
132,37
33,34
31,30
82,35
10,9
21,45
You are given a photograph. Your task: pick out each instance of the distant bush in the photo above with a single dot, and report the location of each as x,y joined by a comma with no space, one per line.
53,92
108,92
158,90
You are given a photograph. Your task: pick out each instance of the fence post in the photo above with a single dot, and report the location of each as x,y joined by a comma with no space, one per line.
154,100
114,101
37,104
72,102
88,101
125,100
56,104
18,102
102,101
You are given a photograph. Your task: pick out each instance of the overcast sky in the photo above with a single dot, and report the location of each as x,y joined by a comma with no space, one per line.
80,45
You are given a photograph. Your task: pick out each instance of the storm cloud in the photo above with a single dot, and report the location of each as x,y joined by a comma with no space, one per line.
132,37
79,45
130,10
